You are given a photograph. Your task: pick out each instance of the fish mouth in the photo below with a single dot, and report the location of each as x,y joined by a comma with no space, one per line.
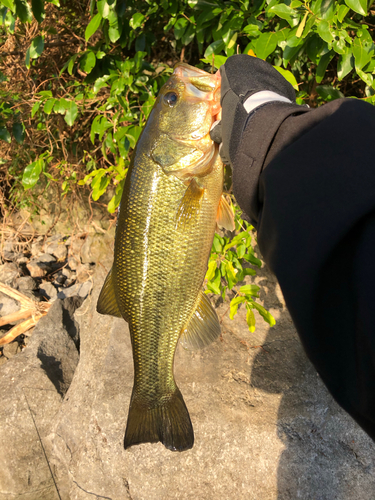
200,86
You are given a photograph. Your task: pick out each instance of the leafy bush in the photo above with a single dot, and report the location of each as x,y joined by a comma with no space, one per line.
77,86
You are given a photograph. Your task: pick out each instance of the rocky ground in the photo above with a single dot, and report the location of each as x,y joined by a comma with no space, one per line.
265,426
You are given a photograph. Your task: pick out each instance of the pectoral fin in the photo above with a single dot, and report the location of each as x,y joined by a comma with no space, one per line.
190,205
203,327
225,215
107,303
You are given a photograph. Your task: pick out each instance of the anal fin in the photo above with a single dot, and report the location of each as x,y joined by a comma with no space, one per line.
107,303
203,327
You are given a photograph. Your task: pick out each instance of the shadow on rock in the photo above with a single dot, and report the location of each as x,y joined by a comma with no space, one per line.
326,456
52,367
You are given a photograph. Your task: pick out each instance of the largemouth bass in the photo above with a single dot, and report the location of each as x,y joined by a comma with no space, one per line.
171,203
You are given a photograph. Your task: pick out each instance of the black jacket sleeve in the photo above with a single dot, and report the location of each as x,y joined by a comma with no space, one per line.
314,209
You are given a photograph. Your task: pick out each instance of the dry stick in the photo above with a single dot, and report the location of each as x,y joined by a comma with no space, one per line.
28,308
19,329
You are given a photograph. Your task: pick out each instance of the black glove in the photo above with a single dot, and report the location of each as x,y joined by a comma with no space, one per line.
242,76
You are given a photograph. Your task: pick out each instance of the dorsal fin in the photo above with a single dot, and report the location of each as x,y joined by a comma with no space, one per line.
225,215
107,303
203,327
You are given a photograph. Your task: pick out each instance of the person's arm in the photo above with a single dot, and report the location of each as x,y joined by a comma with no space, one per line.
306,179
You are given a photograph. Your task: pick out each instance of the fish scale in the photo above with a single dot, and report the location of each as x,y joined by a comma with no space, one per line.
164,235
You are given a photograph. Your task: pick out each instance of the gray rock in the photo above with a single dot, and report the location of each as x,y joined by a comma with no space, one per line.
54,238
58,249
26,284
73,262
265,426
11,350
10,250
8,272
84,272
38,269
46,258
7,305
36,248
22,259
41,265
95,248
48,290
33,384
79,289
66,272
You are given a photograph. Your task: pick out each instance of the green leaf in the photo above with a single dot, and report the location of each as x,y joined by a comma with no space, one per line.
234,303
267,316
136,21
27,58
115,201
49,106
36,47
100,83
322,66
362,52
341,12
324,31
285,12
88,62
328,93
45,93
35,108
103,8
250,289
265,45
4,134
99,186
93,26
71,113
282,11
212,266
23,11
60,106
31,174
38,10
288,75
345,64
18,130
114,31
302,25
214,48
216,61
71,63
366,77
359,6
9,4
250,319
324,9
188,36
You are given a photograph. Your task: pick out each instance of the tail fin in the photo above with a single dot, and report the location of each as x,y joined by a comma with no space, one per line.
169,423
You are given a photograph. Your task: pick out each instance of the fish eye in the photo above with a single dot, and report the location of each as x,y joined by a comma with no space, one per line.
170,98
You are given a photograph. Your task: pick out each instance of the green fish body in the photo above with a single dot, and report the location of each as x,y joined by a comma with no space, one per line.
166,224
